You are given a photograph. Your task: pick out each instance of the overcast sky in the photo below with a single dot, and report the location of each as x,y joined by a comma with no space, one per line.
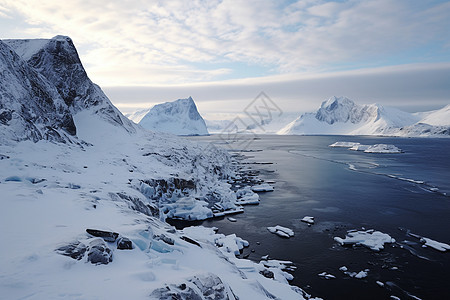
223,53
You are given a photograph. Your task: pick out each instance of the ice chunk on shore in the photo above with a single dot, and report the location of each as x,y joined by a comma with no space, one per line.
307,219
263,187
435,244
374,240
232,243
246,196
343,144
383,148
281,231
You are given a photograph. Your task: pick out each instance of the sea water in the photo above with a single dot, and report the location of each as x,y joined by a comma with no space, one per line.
404,195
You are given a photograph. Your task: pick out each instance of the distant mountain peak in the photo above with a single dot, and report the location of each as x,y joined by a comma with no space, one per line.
340,115
179,117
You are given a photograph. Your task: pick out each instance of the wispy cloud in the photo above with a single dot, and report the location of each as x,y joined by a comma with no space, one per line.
141,42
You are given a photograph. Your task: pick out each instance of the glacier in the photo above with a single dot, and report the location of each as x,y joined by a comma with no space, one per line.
179,117
70,161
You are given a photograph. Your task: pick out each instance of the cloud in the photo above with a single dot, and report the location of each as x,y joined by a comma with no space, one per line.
418,87
173,41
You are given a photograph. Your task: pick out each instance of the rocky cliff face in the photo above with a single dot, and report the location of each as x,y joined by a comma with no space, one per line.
58,62
30,106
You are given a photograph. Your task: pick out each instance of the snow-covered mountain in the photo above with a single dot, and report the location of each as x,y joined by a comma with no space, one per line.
340,115
70,161
179,117
57,60
137,116
30,106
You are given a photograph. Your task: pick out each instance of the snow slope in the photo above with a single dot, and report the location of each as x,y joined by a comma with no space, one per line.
340,115
106,173
179,117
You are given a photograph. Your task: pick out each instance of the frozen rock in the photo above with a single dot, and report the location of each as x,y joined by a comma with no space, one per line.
383,148
203,286
374,240
343,269
232,219
309,220
76,250
99,253
124,243
264,187
108,236
281,231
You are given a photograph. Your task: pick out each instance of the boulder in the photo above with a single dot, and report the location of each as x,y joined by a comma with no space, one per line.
99,253
124,243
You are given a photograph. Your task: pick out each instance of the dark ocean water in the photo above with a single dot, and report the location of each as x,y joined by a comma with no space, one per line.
347,190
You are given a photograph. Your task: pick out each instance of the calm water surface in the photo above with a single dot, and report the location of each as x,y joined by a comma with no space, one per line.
347,190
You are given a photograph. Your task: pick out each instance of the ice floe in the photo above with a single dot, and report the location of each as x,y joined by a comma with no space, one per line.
383,148
281,231
263,187
435,244
327,275
307,219
377,148
358,275
359,147
343,144
371,239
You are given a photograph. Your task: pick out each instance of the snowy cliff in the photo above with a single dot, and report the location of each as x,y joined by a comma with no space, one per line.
179,117
340,115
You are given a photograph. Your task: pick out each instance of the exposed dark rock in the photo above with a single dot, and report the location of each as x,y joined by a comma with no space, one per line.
99,253
108,236
76,250
124,243
267,273
189,240
137,204
166,239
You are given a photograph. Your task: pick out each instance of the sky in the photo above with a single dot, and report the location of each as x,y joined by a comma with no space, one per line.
224,53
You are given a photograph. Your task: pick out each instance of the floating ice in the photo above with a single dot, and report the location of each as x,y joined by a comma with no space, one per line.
359,147
383,148
326,275
343,144
374,240
307,219
435,244
281,231
380,284
232,219
264,187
